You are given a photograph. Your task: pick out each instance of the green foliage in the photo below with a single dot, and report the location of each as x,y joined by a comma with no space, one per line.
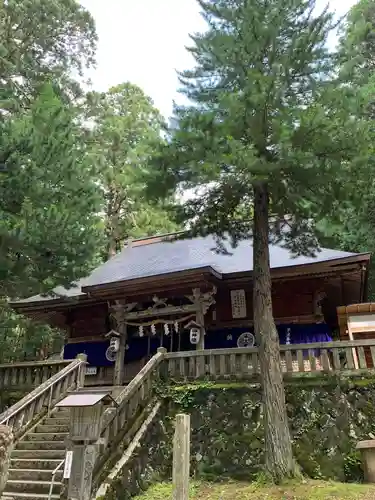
233,490
49,229
24,340
267,107
126,128
354,228
353,467
269,129
42,40
357,43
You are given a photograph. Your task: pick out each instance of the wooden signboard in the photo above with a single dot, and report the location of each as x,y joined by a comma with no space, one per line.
238,301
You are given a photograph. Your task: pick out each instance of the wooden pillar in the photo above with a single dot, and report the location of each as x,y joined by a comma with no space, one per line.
82,371
199,318
120,315
203,301
181,458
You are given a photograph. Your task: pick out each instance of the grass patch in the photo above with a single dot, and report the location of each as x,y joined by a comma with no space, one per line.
306,490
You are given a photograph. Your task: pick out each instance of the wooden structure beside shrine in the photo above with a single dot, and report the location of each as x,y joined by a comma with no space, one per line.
182,295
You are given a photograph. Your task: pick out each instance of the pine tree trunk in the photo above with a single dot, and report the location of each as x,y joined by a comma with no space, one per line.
280,463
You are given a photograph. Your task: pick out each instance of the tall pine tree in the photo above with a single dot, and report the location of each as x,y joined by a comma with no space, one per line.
268,131
354,229
125,130
49,202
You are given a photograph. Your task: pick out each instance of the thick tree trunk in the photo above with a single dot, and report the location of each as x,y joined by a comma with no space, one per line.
280,463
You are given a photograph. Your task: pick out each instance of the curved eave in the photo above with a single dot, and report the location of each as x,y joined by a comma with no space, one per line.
94,294
136,283
310,268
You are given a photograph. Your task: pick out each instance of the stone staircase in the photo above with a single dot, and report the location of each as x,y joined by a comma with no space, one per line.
36,456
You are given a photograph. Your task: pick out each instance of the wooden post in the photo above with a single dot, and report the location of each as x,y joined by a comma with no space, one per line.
82,371
203,302
163,370
354,350
199,318
198,300
119,371
181,458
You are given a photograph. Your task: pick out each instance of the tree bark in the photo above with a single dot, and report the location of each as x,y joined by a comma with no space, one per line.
280,463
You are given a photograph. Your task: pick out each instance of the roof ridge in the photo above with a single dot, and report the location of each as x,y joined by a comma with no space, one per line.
164,235
150,240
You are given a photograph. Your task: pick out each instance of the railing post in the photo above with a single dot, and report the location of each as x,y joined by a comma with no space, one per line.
82,371
163,370
181,458
6,446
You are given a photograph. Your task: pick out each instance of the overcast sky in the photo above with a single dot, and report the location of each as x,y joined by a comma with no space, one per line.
143,41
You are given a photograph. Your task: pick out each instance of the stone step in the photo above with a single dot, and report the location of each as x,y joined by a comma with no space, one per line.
32,486
56,421
35,463
54,428
60,413
46,436
39,454
36,474
10,495
41,445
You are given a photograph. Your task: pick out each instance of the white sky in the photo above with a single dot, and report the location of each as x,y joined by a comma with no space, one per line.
143,41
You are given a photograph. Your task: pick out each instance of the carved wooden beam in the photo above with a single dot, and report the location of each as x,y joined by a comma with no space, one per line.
165,311
203,300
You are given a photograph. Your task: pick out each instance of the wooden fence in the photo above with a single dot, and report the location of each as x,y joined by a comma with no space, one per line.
243,363
120,420
236,363
29,375
42,399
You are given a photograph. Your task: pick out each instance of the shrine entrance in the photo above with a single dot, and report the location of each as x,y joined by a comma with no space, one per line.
140,331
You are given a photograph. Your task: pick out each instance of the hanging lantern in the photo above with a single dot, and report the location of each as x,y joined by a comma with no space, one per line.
166,329
153,329
176,326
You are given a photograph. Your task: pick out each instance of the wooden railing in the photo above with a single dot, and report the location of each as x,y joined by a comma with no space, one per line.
38,402
121,421
28,375
118,420
243,363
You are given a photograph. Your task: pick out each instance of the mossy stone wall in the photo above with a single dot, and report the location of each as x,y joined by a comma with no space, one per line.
327,418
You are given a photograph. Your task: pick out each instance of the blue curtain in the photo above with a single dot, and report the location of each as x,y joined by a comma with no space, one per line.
299,334
214,339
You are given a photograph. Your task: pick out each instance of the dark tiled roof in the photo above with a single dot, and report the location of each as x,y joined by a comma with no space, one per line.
156,257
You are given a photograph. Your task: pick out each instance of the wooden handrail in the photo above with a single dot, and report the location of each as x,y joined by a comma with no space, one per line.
29,375
130,402
139,378
47,362
24,411
283,348
241,363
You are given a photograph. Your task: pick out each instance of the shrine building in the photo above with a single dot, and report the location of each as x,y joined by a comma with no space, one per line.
183,295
